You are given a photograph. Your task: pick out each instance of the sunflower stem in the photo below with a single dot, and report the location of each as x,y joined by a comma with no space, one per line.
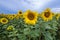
29,37
39,37
34,39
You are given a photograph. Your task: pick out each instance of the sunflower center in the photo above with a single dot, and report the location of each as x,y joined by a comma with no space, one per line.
13,15
47,14
30,16
4,20
20,12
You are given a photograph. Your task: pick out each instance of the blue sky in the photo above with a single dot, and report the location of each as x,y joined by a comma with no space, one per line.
12,6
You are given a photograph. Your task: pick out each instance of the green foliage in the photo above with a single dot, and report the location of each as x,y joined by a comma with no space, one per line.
22,31
58,32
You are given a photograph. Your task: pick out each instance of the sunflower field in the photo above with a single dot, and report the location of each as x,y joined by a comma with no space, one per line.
30,25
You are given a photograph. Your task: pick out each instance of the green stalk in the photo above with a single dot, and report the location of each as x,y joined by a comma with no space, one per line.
29,37
33,38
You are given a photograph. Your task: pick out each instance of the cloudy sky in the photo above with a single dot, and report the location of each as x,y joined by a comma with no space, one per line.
12,6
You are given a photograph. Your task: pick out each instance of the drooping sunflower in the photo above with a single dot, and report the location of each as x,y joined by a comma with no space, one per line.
47,15
30,17
4,20
57,16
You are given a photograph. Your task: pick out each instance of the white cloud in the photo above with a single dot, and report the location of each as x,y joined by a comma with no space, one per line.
36,4
56,10
24,4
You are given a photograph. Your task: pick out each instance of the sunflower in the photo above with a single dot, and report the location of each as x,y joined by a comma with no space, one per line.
19,13
39,14
30,17
57,16
2,15
47,15
17,17
4,20
11,17
10,28
14,15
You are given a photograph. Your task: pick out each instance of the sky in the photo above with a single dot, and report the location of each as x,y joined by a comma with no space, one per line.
13,6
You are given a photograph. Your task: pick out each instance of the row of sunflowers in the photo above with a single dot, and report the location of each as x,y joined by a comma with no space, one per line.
30,25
